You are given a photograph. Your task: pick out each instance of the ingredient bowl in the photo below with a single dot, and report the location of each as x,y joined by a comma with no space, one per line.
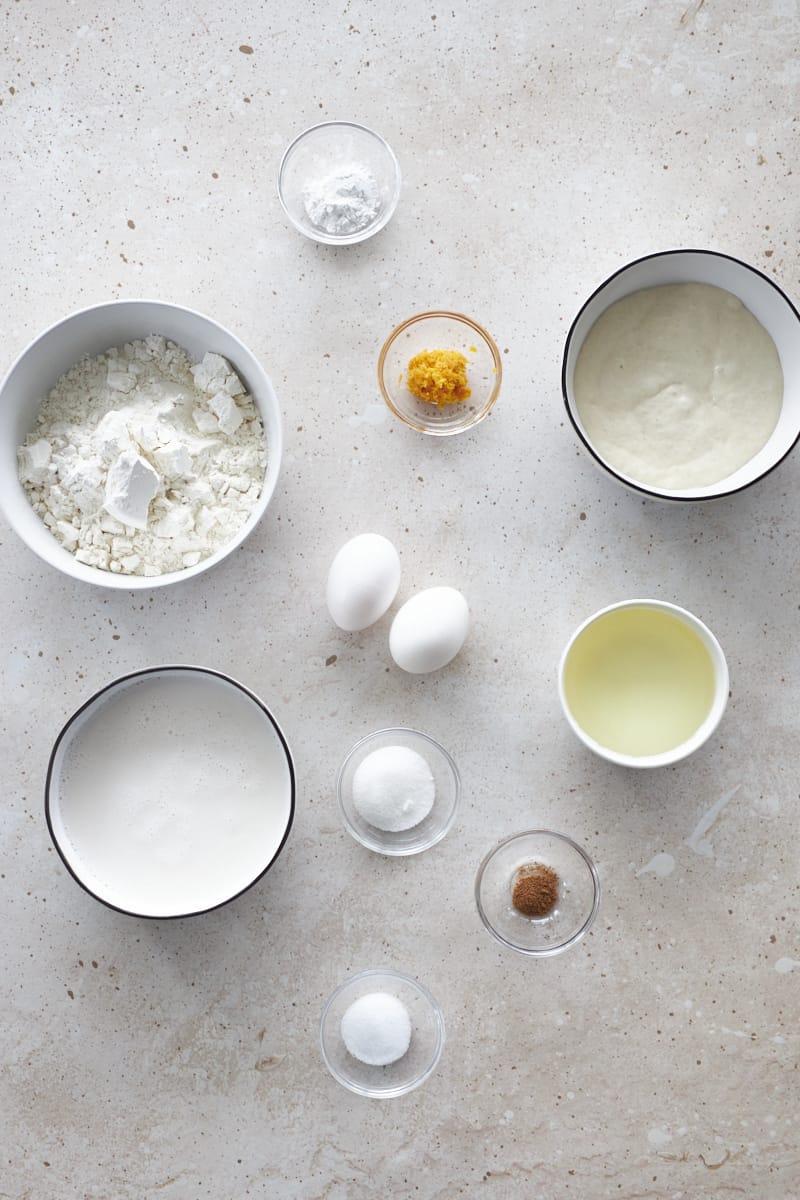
433,827
431,331
91,332
425,1047
643,683
170,792
346,160
667,391
577,892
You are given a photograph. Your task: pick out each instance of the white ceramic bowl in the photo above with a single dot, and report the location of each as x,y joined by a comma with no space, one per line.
170,792
765,301
318,152
615,667
92,331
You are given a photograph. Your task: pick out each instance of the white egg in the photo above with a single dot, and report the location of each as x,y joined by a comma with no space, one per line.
363,581
429,630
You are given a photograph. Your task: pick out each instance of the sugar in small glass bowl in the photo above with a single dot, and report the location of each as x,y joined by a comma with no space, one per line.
349,161
446,787
425,1047
440,330
568,912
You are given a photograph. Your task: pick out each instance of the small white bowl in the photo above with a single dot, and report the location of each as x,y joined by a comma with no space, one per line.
424,1051
759,294
430,830
170,792
320,151
90,332
589,678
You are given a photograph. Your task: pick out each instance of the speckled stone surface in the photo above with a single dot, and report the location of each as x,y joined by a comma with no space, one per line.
542,146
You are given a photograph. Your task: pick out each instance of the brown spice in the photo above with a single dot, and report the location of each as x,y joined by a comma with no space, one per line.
535,890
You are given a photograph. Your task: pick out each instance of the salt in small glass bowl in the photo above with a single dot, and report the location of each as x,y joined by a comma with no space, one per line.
440,330
432,828
320,151
419,1061
578,893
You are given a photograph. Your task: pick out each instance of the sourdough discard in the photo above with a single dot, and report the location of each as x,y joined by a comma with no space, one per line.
678,386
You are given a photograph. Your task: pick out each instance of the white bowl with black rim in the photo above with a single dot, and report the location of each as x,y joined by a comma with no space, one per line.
170,792
760,295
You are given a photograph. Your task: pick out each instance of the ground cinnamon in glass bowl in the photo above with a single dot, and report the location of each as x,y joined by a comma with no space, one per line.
534,891
537,892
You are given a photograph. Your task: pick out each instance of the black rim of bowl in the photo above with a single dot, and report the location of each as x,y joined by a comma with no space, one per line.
92,700
630,483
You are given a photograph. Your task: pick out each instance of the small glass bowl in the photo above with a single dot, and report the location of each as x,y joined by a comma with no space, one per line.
578,900
317,152
419,1061
430,830
440,331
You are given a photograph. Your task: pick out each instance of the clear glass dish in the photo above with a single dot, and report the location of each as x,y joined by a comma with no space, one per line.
430,830
324,149
440,331
419,1061
578,893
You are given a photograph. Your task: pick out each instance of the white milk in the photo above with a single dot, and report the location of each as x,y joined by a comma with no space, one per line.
171,793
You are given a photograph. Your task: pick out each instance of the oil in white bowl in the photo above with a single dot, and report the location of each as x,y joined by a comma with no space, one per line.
639,681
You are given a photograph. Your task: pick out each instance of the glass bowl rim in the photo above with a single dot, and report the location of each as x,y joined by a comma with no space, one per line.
547,951
484,336
345,239
436,1009
377,847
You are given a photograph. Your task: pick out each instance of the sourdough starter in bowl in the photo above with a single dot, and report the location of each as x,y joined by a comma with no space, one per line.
678,386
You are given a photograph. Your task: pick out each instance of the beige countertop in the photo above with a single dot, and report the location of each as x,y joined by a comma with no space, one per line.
542,147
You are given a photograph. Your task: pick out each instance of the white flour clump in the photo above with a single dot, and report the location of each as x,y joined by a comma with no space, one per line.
346,201
143,463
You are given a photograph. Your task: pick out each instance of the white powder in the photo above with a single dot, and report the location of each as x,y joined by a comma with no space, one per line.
376,1029
143,463
393,788
344,202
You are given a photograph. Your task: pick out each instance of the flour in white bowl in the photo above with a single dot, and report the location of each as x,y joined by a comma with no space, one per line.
141,462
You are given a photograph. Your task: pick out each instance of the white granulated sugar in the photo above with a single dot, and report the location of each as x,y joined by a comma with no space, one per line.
376,1029
142,463
393,788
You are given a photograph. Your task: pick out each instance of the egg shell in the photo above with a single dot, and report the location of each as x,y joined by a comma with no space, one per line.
362,581
429,630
